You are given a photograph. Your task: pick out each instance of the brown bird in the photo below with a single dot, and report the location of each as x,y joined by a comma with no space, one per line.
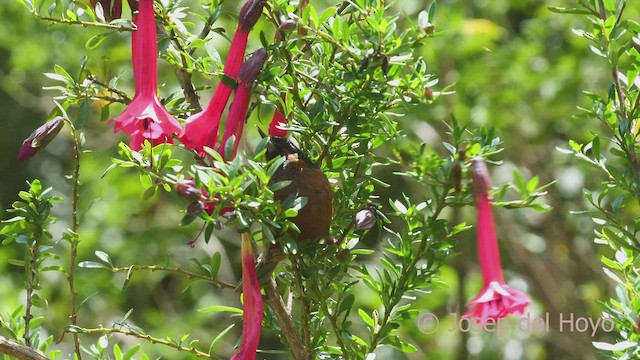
314,219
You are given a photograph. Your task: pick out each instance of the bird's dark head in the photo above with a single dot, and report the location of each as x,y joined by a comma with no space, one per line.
281,146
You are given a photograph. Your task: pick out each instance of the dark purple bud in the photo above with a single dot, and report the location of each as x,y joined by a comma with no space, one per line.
188,190
364,219
252,67
480,175
112,9
385,65
40,138
195,208
249,14
287,25
133,4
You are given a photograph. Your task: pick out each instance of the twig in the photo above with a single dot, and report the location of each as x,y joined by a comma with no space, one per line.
19,351
176,270
298,348
31,279
83,23
75,239
398,294
150,339
183,76
124,97
304,300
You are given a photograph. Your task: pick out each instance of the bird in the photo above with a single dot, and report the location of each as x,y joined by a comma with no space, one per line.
308,181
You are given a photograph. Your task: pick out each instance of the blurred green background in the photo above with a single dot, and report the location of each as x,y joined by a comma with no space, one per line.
513,65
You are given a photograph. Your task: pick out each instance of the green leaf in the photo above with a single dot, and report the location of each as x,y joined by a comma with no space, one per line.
217,308
104,257
217,339
96,40
74,329
83,113
215,264
623,345
92,265
566,10
366,318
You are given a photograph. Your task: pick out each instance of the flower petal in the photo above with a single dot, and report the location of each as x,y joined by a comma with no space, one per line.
496,301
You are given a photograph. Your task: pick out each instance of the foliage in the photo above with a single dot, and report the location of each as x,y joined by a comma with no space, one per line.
615,38
357,81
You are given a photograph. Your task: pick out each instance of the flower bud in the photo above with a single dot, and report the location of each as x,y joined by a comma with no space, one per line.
287,25
40,138
188,190
112,9
252,67
195,208
364,219
249,14
480,175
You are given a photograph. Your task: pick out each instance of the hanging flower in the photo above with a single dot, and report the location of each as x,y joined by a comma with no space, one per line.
145,118
201,129
276,125
40,138
496,300
238,110
252,313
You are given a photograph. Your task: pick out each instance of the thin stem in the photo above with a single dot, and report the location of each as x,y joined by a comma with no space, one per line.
397,295
334,324
124,98
83,23
32,278
298,349
304,300
176,270
149,338
75,239
183,73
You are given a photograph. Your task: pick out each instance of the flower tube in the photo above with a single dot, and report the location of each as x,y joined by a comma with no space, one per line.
201,129
496,299
238,111
252,313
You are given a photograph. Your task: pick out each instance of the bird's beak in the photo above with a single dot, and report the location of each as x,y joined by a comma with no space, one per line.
262,134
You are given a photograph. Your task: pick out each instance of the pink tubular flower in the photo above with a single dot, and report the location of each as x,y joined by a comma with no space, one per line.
238,110
145,117
201,129
496,300
252,314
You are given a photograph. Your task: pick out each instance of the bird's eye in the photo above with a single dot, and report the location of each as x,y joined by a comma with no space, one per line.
272,150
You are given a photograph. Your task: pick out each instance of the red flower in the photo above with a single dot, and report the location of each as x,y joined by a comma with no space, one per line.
145,117
496,300
238,110
252,313
277,122
201,129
